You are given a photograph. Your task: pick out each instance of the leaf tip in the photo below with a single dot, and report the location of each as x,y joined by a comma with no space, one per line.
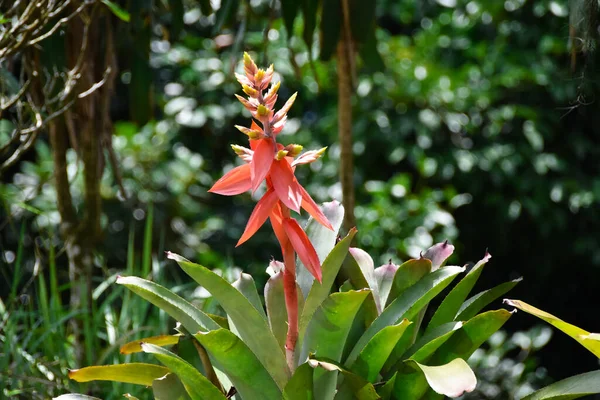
175,257
512,303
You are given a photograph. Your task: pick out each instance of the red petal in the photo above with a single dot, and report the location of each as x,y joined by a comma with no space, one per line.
261,162
303,246
313,209
234,182
259,215
285,185
276,219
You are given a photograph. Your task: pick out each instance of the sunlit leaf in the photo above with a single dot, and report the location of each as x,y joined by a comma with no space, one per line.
184,312
407,275
452,379
161,340
475,304
582,336
116,10
136,373
450,306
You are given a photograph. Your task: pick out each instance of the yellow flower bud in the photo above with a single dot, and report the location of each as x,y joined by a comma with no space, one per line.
281,154
250,91
293,149
262,111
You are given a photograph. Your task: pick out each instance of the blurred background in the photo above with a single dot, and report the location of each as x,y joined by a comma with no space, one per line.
472,121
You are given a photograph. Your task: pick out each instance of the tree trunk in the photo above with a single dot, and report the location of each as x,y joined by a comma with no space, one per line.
344,67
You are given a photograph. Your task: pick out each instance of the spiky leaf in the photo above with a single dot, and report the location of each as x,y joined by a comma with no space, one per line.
232,356
182,311
196,384
251,326
408,304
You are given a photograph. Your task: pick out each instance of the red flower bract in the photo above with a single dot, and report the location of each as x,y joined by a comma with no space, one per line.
268,161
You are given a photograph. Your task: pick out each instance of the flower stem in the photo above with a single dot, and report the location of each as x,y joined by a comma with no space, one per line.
291,303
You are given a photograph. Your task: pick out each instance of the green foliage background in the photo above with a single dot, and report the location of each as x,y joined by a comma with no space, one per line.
476,130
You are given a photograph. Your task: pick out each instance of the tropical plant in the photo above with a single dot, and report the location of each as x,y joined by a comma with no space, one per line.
314,337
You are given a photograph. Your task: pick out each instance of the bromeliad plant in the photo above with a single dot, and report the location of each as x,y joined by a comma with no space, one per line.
312,338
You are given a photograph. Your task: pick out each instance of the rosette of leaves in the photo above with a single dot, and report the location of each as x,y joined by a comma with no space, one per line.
364,338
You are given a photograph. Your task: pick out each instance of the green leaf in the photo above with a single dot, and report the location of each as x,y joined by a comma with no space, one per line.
476,303
472,335
187,314
385,391
161,340
250,324
327,332
196,384
582,336
449,307
289,10
408,304
75,396
276,310
329,33
245,284
300,386
169,387
116,10
372,358
573,387
452,379
330,324
319,291
461,344
407,275
357,387
323,240
136,373
239,363
431,341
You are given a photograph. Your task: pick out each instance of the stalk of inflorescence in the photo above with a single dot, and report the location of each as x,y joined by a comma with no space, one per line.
271,162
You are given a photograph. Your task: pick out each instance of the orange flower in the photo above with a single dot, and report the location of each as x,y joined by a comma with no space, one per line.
269,161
